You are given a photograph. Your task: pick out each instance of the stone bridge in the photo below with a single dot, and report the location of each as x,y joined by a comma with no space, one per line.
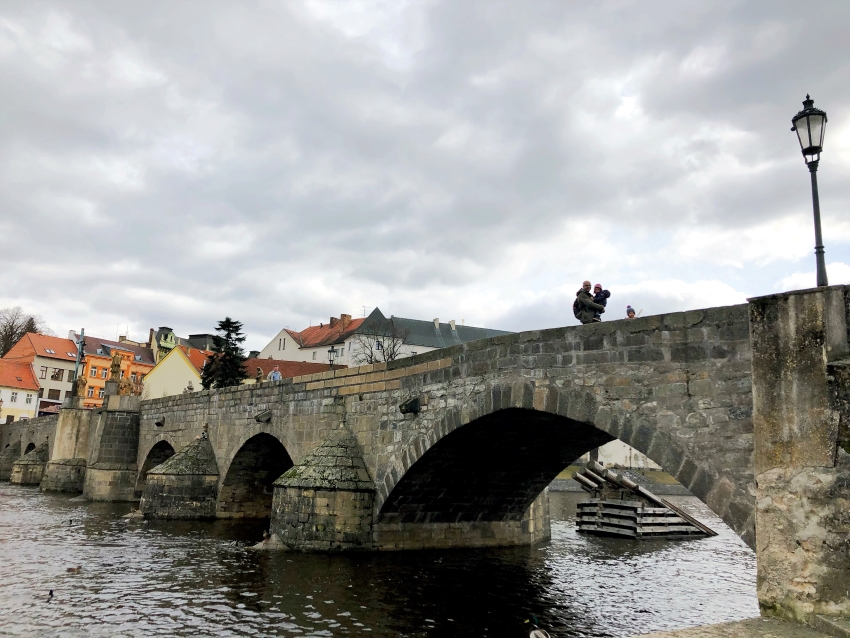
497,420
747,406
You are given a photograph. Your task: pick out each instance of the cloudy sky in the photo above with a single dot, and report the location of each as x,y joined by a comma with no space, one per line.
170,163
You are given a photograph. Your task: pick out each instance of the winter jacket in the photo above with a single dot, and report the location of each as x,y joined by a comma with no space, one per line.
589,307
602,299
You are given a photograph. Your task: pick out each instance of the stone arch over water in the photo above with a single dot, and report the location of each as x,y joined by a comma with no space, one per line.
159,453
246,489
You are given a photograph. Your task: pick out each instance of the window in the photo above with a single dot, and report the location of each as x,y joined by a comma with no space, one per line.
53,395
379,345
71,376
280,344
42,373
133,377
28,399
94,371
100,393
314,355
49,351
138,357
58,374
69,394
103,372
413,353
90,392
121,376
14,398
71,354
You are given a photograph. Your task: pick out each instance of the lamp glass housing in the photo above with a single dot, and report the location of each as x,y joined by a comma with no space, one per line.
810,125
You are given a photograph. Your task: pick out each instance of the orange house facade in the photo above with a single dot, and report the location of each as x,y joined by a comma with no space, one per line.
136,362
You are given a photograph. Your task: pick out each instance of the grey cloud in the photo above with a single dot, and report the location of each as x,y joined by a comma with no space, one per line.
153,126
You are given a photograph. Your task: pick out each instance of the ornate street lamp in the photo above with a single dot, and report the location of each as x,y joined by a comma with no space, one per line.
331,356
810,124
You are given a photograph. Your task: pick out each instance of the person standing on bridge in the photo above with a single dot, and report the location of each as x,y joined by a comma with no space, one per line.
584,308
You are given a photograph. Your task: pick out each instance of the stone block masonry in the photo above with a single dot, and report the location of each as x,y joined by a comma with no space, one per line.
29,469
111,471
801,398
185,486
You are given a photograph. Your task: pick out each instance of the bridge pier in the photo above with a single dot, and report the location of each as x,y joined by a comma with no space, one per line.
801,412
29,469
8,456
111,470
185,486
327,501
66,470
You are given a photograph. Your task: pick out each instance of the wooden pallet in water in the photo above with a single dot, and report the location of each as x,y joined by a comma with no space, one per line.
620,507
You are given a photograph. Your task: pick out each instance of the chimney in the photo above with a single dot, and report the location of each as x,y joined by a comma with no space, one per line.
437,323
122,338
333,322
345,319
452,324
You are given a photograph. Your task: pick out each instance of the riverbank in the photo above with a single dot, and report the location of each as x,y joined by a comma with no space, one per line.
751,628
658,482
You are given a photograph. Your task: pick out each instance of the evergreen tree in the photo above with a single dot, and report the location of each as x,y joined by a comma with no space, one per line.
226,365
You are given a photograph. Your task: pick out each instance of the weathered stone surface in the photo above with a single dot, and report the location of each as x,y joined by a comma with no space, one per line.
800,409
183,487
336,464
111,463
29,469
10,454
326,502
64,475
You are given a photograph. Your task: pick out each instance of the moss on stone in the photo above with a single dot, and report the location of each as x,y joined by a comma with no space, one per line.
197,458
337,464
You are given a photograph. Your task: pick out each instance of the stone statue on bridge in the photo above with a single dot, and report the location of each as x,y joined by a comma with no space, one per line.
115,367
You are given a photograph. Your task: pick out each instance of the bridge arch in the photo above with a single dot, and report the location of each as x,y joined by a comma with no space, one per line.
246,485
490,457
158,454
29,448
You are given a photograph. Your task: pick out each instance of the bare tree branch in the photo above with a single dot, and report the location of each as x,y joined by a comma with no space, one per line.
383,343
14,324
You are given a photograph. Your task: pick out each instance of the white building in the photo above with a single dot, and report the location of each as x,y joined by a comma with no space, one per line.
371,339
52,360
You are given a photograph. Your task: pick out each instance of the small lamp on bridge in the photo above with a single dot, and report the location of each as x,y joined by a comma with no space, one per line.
332,352
810,124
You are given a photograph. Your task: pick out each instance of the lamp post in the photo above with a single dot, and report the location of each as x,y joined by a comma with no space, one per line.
331,356
810,124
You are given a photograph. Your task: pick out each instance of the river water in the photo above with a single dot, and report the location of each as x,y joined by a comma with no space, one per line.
142,578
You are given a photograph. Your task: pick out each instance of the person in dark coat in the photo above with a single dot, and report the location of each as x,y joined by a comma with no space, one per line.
587,306
600,296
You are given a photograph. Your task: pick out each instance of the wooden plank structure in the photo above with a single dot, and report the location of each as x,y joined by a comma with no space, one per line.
621,507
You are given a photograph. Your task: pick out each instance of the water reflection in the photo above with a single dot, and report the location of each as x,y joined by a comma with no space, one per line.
196,579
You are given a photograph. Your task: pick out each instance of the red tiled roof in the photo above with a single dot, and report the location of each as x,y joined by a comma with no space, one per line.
287,369
196,357
32,344
17,374
325,335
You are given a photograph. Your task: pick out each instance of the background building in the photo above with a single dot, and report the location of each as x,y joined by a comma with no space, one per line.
136,362
52,360
18,391
357,341
182,366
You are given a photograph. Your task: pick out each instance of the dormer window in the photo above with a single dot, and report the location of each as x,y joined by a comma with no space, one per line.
49,351
71,354
138,357
100,350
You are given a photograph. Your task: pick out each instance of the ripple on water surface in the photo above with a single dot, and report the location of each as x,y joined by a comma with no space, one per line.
196,579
